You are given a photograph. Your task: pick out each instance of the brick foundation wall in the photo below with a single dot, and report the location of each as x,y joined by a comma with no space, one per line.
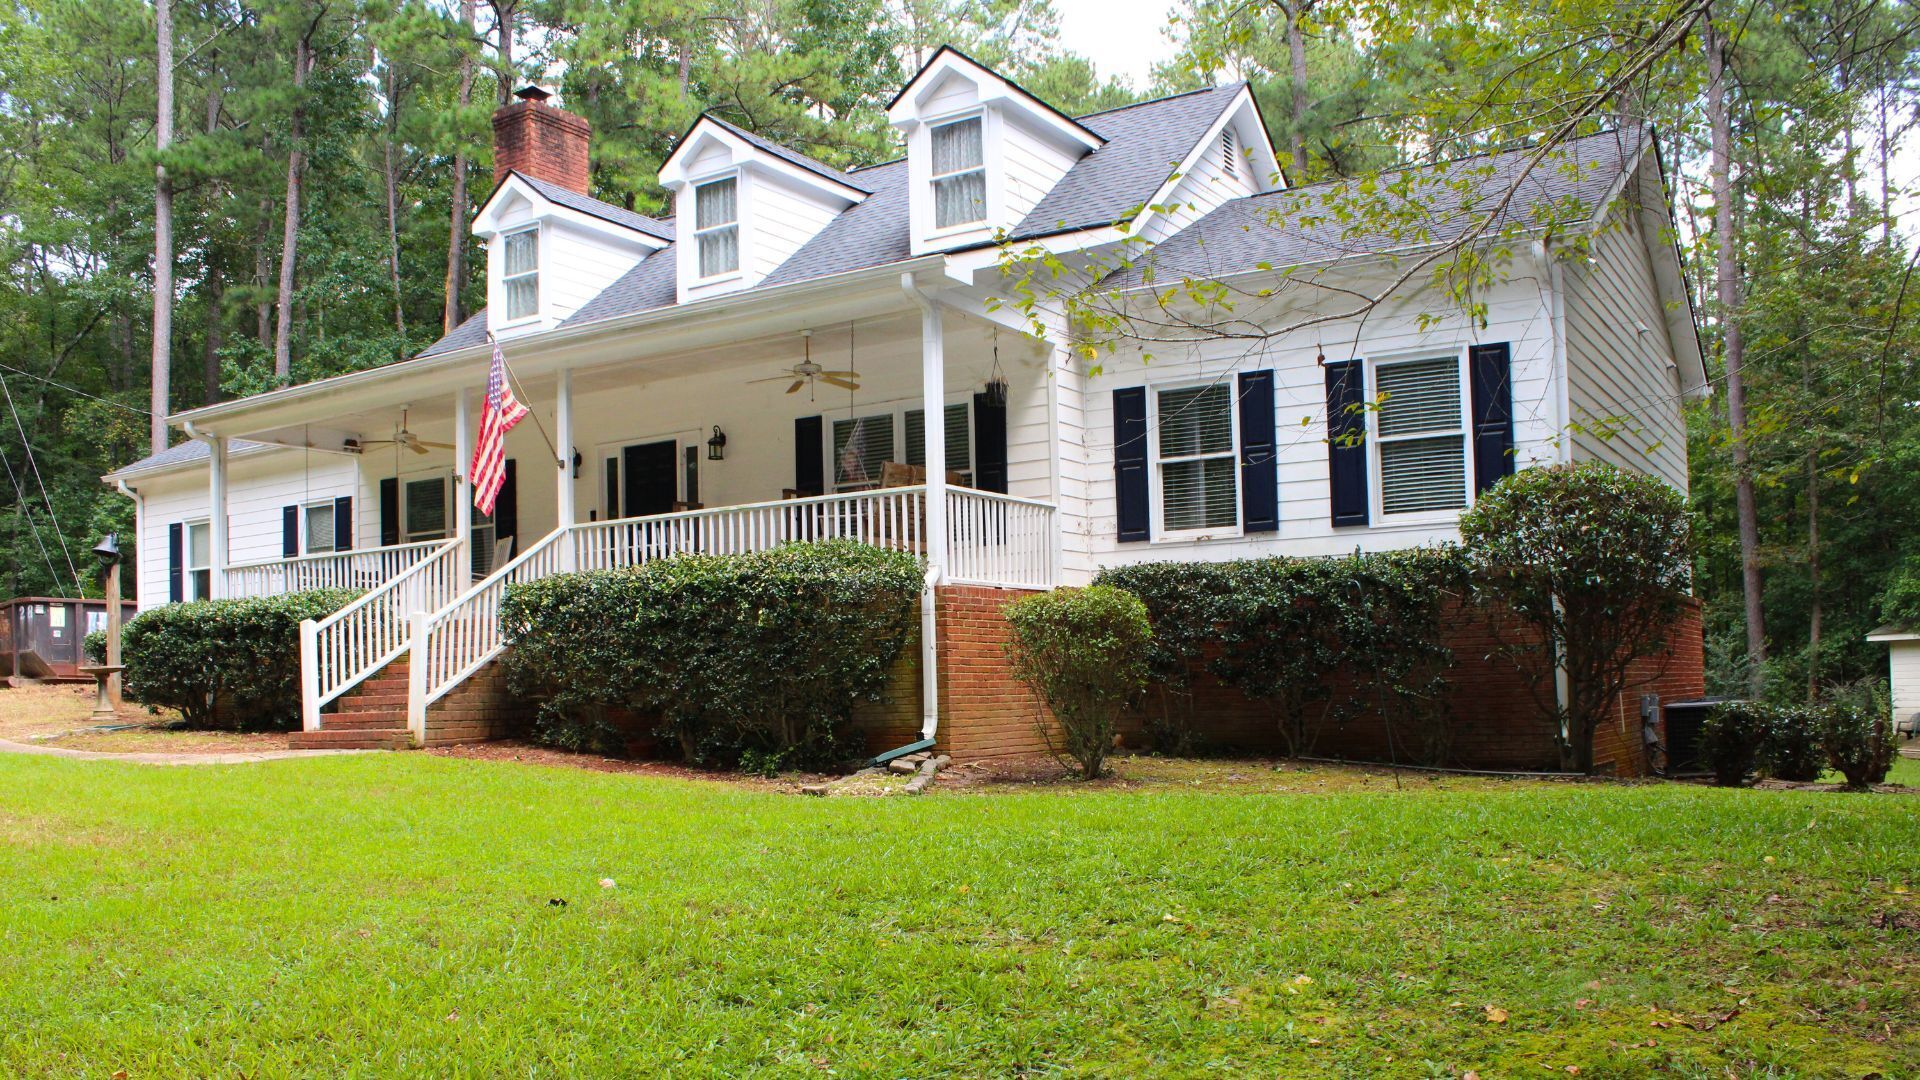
984,712
1495,723
894,720
479,709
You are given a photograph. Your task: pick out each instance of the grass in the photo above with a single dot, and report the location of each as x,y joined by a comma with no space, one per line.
61,715
409,914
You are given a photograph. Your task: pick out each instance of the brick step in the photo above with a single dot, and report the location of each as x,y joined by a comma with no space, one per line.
371,702
350,739
362,721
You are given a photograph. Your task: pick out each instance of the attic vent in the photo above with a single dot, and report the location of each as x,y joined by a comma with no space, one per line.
1229,153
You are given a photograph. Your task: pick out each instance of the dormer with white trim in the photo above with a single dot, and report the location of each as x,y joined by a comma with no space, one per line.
981,151
1233,160
551,247
743,205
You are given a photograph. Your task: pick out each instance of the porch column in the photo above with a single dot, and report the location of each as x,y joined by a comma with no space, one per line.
933,402
563,449
462,460
217,516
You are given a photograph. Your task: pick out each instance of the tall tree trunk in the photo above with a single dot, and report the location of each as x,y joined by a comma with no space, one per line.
290,229
162,229
457,229
504,12
392,178
1727,279
1297,55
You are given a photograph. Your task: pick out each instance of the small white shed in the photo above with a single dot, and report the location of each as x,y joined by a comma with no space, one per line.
1903,669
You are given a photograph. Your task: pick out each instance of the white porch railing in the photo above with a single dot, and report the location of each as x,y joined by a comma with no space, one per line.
339,651
368,568
1000,540
992,540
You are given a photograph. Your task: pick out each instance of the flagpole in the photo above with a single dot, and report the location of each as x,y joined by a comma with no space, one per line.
524,396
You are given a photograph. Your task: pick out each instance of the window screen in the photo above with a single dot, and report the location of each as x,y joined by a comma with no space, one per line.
320,536
716,217
860,447
1199,478
521,276
959,174
426,509
959,440
1421,437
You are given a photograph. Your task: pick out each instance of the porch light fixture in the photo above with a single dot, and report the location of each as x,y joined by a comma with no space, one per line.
717,446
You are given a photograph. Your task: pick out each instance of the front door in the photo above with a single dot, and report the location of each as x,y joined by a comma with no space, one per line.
648,474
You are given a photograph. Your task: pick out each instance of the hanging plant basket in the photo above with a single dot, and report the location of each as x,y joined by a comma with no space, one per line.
996,392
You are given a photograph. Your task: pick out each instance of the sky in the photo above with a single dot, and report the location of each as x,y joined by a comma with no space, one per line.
1121,37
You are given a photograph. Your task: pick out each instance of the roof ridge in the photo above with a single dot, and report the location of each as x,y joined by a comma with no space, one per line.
1163,97
1403,167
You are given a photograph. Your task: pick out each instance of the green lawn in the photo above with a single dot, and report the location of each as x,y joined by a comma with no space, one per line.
405,914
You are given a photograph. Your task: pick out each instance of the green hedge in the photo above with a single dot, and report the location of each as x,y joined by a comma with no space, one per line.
1276,628
1084,652
228,664
757,658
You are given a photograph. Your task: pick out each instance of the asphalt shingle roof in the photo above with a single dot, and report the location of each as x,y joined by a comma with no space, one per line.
471,332
619,215
1430,205
793,157
191,452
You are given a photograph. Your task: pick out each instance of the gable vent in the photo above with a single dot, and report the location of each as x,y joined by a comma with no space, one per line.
1229,153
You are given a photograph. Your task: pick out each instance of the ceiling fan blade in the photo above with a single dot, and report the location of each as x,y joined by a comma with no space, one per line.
377,442
841,383
840,374
416,446
435,445
797,384
772,378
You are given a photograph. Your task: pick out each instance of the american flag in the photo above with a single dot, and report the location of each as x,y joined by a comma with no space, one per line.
497,417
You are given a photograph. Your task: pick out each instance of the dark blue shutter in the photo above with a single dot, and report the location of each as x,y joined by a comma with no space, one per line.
612,475
808,476
1133,504
1259,463
289,531
1491,372
1346,441
176,549
506,505
389,512
343,523
989,444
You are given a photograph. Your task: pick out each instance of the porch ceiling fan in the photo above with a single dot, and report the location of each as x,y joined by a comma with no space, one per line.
404,438
806,372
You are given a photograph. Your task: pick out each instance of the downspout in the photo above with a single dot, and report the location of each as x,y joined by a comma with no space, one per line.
932,362
139,531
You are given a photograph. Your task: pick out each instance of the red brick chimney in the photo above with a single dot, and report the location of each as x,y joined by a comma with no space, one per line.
541,141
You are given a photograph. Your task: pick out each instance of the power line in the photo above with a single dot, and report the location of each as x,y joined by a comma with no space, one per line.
20,500
76,390
41,480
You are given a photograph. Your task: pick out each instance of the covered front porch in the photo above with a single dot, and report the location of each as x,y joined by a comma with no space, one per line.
654,448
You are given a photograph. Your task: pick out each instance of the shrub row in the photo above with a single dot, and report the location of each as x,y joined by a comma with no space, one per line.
753,660
1276,628
227,664
1798,742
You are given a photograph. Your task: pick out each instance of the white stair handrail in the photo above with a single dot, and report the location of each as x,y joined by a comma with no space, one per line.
340,651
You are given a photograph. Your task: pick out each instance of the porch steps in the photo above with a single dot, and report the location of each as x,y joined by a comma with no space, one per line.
371,716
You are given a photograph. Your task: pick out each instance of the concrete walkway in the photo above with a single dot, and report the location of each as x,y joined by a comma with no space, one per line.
8,746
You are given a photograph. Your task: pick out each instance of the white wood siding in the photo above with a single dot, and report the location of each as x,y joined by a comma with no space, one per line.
1518,313
1903,663
1623,386
1029,167
784,217
577,265
1200,190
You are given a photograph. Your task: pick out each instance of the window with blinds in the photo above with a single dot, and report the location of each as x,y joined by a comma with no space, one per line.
320,538
959,174
199,560
1420,436
520,276
861,445
425,510
959,440
1199,477
716,226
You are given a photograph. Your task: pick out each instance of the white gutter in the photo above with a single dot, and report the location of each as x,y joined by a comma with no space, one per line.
139,533
724,307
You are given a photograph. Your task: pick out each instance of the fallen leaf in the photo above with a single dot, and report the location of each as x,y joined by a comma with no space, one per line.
1496,1015
452,1016
1313,1042
1168,918
1470,1075
606,883
1582,1003
1768,858
119,1074
1574,1069
1303,980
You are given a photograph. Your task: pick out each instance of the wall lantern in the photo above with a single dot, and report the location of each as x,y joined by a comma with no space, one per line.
717,446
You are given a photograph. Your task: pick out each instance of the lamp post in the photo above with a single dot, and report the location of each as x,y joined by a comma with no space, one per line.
108,552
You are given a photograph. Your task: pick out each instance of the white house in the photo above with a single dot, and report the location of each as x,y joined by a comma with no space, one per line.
744,373
1903,673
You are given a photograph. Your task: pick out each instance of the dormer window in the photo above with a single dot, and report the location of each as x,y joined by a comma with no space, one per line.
959,174
520,274
716,212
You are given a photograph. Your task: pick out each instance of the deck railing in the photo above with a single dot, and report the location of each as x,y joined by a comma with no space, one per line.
992,540
339,651
367,569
